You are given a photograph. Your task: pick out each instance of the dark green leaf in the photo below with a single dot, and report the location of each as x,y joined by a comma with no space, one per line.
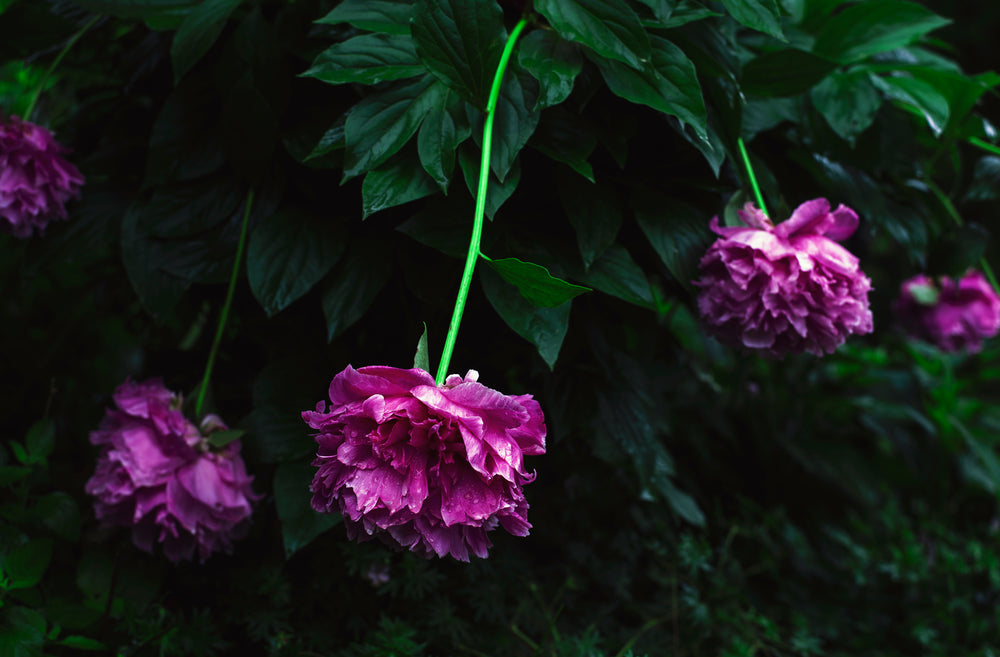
553,61
400,181
159,14
984,180
566,137
275,435
198,32
615,273
289,252
670,85
440,227
422,357
920,95
158,290
82,643
868,28
353,284
25,565
11,473
958,250
535,282
784,72
41,440
594,212
460,42
382,123
223,438
386,16
761,15
608,27
367,59
677,232
437,142
496,192
59,512
514,123
185,142
299,523
848,102
543,327
331,141
22,632
249,126
687,12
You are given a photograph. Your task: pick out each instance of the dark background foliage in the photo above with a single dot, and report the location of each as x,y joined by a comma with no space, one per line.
694,500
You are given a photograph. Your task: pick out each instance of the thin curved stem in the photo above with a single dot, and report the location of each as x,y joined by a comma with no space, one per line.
985,145
753,178
55,62
224,315
477,222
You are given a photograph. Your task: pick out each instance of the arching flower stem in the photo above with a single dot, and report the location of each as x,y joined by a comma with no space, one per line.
753,178
477,223
55,62
224,315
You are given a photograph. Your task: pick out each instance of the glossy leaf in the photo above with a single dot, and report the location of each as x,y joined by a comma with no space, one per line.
869,28
535,282
761,15
848,102
300,525
385,16
422,357
438,142
513,125
553,61
543,327
199,31
608,27
367,59
400,181
382,123
918,94
353,284
460,42
289,252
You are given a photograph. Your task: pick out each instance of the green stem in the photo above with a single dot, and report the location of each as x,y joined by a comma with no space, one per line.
477,222
55,62
985,145
753,178
224,315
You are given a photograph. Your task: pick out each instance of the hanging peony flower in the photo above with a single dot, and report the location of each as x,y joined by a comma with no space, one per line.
952,316
787,288
35,180
158,474
428,468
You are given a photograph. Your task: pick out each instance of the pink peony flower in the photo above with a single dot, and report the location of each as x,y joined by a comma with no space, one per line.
157,474
952,316
787,288
35,180
429,468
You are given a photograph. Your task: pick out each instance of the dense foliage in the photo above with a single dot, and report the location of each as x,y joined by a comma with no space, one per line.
695,499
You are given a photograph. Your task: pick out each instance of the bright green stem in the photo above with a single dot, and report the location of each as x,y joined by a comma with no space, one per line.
224,315
985,145
753,178
477,222
55,62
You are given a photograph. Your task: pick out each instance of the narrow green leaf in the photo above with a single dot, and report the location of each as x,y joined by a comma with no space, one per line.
553,61
848,102
786,72
300,525
400,181
535,282
385,16
289,252
367,59
594,212
920,95
353,284
608,27
422,358
223,438
761,15
868,28
41,440
460,42
382,123
543,327
198,32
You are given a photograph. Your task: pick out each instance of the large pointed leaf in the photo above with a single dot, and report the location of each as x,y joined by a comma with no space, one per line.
400,181
198,32
289,252
544,327
608,27
553,61
385,16
677,232
868,28
594,213
438,140
761,15
460,41
351,286
300,525
367,59
514,123
535,282
848,102
920,95
497,192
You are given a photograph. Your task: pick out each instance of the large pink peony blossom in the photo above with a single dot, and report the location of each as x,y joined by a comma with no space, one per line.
157,474
428,468
954,316
35,180
787,288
